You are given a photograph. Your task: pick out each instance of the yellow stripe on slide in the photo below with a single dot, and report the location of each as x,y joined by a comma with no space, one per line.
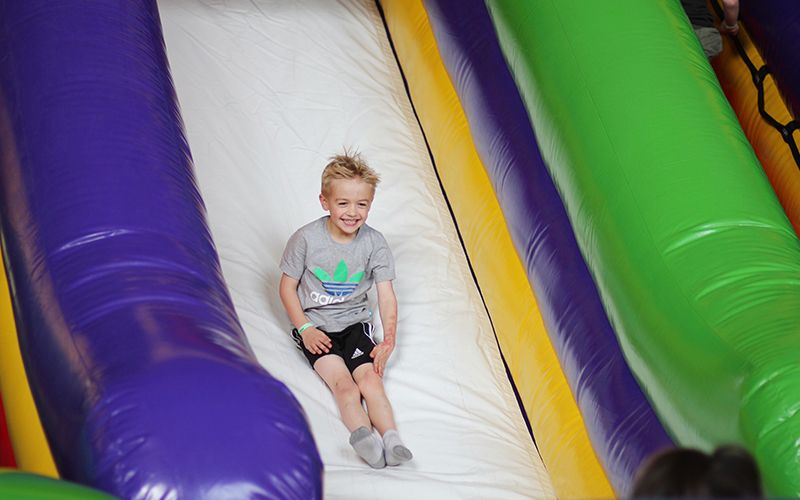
554,416
31,450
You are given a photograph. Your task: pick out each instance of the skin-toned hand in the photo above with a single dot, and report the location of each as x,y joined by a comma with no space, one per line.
380,355
316,341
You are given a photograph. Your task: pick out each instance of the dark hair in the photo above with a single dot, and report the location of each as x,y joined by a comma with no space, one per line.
683,472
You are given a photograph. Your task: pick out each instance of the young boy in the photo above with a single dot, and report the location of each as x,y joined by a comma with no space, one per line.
328,267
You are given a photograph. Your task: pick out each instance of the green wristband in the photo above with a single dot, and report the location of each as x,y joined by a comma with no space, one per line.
305,327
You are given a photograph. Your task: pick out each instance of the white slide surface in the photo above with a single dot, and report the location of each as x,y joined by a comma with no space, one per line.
268,90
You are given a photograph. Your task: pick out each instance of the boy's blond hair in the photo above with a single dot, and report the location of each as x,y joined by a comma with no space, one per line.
348,166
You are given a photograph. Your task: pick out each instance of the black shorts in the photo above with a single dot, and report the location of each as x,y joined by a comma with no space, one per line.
353,344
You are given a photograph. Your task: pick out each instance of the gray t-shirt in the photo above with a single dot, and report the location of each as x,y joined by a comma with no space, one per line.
335,277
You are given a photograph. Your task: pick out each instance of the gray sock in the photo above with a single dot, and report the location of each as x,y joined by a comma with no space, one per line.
396,452
368,447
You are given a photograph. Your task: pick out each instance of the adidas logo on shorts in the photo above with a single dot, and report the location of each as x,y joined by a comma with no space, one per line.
356,354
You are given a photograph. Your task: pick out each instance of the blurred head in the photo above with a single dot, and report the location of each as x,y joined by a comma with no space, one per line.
681,472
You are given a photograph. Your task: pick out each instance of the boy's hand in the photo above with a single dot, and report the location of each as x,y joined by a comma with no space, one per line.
316,341
724,28
380,355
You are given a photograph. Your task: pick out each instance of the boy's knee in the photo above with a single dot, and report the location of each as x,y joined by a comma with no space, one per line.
346,388
370,383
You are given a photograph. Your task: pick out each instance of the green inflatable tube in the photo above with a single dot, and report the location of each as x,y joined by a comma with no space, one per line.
23,486
697,265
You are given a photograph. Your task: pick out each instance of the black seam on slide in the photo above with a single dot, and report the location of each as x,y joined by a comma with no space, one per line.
458,231
758,76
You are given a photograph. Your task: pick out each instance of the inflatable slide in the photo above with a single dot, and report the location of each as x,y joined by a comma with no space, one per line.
267,91
591,263
267,95
695,261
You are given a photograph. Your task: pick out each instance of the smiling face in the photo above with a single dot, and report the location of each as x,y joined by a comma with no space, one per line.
348,201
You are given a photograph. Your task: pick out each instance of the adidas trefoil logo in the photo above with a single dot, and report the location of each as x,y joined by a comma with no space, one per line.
339,284
356,354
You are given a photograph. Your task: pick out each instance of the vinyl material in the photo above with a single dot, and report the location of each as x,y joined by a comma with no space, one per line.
269,90
696,263
775,28
139,367
609,397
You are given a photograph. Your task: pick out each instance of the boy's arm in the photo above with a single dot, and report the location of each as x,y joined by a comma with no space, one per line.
730,23
387,306
315,340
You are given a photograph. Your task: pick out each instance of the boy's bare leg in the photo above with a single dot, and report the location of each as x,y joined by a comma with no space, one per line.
370,386
345,391
380,413
348,398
